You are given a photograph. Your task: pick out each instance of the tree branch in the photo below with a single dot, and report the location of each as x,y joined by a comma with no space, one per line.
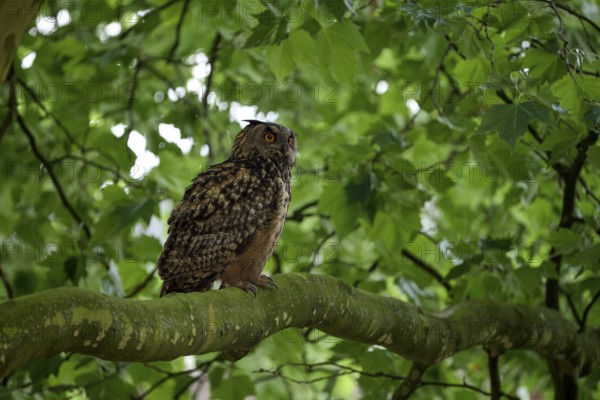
83,321
567,217
573,12
212,59
411,382
16,18
154,10
6,283
53,178
186,3
143,284
12,102
586,312
427,268
494,371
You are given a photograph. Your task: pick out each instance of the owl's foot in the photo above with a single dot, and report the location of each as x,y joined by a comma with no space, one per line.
266,282
246,286
263,281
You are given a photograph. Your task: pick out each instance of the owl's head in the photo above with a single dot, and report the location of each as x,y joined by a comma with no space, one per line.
266,140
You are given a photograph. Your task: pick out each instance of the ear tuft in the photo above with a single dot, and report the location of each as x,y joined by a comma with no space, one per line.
253,122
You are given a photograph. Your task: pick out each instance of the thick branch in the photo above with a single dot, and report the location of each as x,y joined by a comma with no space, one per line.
567,218
494,371
83,321
16,17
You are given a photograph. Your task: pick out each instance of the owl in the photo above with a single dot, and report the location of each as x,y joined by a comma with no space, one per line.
232,215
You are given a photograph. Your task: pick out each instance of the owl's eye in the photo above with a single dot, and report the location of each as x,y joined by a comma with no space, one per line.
270,137
290,140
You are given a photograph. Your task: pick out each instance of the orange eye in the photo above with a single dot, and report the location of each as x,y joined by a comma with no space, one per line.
269,137
290,140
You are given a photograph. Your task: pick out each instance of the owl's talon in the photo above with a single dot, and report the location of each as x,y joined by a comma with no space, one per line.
266,282
252,289
272,281
244,285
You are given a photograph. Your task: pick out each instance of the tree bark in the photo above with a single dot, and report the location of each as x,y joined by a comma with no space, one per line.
87,322
15,17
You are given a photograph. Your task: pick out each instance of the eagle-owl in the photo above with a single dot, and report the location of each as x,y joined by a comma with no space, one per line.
231,216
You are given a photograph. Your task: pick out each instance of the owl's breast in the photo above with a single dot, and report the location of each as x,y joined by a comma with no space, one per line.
282,199
251,262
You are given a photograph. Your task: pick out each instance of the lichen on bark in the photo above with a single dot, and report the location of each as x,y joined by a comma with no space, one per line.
87,322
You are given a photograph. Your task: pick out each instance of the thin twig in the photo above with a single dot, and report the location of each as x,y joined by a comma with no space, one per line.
485,21
572,306
202,368
57,121
347,370
6,283
162,380
573,12
142,286
178,30
152,11
587,310
427,268
132,93
185,387
116,171
318,248
53,178
12,103
298,214
212,60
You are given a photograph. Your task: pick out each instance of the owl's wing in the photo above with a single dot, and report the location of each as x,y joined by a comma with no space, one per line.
218,218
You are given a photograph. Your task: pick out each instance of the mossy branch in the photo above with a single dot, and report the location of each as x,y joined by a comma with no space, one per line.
83,321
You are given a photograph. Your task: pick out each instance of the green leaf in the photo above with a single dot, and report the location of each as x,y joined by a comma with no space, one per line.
359,189
299,47
544,65
344,213
111,388
236,386
337,8
503,244
589,257
594,157
337,46
74,268
384,229
271,29
564,240
121,217
458,271
592,118
439,180
590,86
511,120
568,94
472,71
40,369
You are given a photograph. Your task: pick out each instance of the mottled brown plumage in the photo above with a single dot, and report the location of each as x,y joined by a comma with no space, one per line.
231,216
